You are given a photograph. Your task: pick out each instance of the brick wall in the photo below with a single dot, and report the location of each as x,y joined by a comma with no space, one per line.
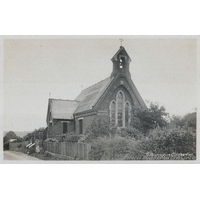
57,129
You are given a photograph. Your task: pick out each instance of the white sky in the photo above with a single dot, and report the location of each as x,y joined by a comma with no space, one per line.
162,69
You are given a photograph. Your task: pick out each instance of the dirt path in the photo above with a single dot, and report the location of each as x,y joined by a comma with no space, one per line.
14,155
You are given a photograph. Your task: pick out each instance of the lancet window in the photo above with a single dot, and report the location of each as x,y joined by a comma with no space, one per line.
120,111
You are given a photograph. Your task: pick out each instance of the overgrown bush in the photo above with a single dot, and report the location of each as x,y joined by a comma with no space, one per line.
168,143
130,133
146,119
164,141
51,140
73,138
185,122
151,156
6,146
112,148
98,128
151,135
11,135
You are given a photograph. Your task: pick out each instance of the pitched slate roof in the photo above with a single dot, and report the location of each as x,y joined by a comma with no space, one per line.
62,109
89,96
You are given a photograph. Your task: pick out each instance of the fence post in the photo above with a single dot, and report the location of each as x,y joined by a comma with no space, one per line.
78,150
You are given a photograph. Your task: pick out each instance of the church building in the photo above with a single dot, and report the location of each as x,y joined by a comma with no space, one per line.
110,99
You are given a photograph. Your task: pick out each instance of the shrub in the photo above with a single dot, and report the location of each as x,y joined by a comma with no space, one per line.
187,121
165,141
51,140
190,120
130,144
73,138
151,156
130,133
150,136
98,128
146,119
6,146
110,148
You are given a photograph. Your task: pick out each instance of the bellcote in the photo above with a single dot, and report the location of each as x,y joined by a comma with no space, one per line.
121,61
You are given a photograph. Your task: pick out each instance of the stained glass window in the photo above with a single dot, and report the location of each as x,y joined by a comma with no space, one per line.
112,112
120,108
127,113
120,112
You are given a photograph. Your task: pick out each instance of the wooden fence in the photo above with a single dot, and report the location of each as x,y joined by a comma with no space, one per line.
75,150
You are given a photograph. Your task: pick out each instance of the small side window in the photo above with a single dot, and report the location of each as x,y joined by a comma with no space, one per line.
65,127
80,126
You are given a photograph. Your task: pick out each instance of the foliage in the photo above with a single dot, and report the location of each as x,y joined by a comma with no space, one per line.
98,128
146,119
73,138
190,120
27,137
165,141
151,156
36,134
11,135
112,148
176,121
168,141
187,121
6,146
160,144
51,140
130,133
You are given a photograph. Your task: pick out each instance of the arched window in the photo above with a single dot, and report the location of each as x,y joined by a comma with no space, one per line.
120,111
120,108
112,112
127,113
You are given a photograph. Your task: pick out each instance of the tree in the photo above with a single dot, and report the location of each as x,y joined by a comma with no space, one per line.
146,119
177,121
187,121
190,120
9,135
36,134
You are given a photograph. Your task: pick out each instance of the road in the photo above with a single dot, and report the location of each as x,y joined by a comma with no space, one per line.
14,155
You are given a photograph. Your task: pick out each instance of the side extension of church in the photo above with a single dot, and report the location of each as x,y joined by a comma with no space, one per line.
111,100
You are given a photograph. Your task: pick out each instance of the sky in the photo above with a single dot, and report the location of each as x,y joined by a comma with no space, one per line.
163,69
